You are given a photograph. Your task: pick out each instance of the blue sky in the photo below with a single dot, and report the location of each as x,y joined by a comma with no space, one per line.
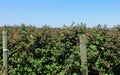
56,13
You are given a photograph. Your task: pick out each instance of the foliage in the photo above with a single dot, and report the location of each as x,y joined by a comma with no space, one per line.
55,51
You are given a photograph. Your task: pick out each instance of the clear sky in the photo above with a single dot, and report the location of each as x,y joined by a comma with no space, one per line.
56,13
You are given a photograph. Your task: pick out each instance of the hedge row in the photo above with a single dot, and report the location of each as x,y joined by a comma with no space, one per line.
55,51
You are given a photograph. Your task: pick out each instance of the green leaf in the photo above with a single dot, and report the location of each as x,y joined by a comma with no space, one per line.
75,74
93,47
62,73
77,63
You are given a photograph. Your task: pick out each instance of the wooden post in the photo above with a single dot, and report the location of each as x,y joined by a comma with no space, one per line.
5,53
83,54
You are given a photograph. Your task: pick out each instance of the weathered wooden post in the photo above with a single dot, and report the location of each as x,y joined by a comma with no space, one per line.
5,54
83,54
